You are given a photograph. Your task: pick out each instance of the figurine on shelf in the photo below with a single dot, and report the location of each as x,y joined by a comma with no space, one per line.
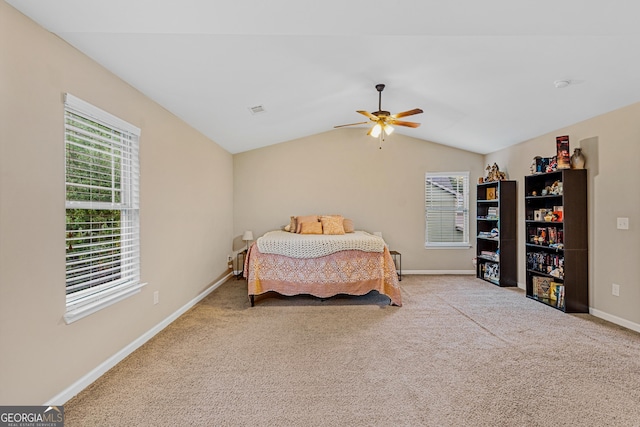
557,272
577,160
556,188
534,165
494,173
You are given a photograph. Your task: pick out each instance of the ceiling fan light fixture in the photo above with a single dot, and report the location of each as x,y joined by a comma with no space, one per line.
381,128
376,130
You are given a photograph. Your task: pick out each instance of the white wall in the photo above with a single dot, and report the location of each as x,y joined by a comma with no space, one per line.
186,214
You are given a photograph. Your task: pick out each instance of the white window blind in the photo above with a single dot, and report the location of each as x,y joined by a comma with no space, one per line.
447,209
102,204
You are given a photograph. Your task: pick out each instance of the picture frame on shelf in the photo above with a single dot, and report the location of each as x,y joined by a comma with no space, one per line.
491,193
562,152
538,214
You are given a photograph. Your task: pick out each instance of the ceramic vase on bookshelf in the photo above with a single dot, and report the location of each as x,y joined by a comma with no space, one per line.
577,159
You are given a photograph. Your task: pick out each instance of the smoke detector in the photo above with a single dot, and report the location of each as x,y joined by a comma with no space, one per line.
559,84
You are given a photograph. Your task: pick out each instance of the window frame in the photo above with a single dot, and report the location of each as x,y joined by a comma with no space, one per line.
463,210
122,177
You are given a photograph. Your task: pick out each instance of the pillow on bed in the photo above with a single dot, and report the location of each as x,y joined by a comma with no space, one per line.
347,224
292,225
302,219
311,227
332,224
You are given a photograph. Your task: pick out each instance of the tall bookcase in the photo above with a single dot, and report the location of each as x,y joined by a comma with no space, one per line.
496,224
556,245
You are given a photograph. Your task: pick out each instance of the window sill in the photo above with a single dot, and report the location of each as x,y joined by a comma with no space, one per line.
448,246
101,302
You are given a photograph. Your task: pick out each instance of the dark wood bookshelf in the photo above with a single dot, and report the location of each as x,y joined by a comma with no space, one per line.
496,253
556,247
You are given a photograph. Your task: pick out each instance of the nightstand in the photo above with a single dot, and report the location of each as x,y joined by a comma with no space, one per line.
240,264
397,260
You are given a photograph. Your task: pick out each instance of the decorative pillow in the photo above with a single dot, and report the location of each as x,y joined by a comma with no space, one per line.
347,224
332,224
311,228
307,218
292,225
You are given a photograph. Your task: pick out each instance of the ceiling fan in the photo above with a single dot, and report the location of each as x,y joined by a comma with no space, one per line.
384,119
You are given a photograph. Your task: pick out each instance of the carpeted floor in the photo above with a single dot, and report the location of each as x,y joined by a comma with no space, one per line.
460,352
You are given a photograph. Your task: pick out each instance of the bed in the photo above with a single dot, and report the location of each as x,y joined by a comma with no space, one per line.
321,265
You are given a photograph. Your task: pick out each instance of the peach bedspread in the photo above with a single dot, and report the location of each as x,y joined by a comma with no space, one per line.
349,272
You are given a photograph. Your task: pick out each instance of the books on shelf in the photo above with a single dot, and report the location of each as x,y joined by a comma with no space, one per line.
487,235
546,288
541,286
490,255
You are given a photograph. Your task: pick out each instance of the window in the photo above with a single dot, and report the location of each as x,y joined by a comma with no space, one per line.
102,221
447,209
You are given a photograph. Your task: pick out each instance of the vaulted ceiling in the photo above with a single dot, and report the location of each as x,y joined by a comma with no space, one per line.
483,72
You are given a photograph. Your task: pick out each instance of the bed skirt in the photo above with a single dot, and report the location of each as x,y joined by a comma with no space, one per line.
351,272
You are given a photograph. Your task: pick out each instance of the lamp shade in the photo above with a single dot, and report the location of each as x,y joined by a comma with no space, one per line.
375,131
248,235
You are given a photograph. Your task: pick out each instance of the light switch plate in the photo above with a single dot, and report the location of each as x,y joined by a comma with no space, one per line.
623,223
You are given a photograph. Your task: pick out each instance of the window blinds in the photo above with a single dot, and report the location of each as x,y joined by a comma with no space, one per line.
447,209
102,201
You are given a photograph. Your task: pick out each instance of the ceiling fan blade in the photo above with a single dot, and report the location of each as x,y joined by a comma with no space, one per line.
368,114
401,123
407,113
351,124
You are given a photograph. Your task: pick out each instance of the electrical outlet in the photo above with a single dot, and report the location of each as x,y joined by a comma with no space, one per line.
156,297
623,223
615,289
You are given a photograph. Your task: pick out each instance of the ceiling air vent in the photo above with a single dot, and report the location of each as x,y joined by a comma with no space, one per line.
258,109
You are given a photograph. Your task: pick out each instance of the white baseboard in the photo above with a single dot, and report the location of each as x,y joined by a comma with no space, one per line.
615,319
62,397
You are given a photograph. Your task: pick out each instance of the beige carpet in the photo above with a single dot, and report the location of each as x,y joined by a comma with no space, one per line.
460,352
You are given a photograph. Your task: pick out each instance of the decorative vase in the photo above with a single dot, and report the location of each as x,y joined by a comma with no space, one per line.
577,159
